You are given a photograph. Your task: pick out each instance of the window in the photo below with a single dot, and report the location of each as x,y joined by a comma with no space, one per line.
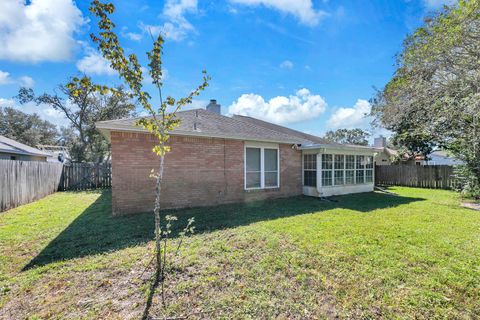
327,166
339,169
339,165
368,169
253,170
349,169
360,172
271,167
310,170
261,168
13,158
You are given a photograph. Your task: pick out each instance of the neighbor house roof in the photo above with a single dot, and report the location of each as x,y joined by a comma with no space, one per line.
203,123
390,152
11,146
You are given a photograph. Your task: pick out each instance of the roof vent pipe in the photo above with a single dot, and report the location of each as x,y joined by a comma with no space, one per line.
214,107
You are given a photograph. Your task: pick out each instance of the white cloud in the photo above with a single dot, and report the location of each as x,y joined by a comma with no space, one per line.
303,10
24,81
39,31
436,4
294,108
177,27
94,64
27,82
287,64
133,36
5,77
4,103
355,117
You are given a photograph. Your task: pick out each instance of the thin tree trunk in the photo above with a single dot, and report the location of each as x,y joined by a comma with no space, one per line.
158,231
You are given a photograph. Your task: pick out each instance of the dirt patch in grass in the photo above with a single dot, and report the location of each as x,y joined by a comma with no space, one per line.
471,205
236,276
103,292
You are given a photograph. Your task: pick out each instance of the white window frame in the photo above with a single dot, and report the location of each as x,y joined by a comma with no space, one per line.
311,170
363,168
262,147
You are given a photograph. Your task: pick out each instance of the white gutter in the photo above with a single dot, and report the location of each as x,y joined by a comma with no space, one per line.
338,147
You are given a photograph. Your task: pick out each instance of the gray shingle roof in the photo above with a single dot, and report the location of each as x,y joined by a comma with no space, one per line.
285,130
11,146
199,122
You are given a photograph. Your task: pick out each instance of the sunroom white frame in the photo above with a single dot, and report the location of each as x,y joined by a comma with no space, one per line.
325,191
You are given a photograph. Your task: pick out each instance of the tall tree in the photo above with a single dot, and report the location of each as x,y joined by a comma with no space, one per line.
83,103
412,144
162,119
348,136
435,91
25,128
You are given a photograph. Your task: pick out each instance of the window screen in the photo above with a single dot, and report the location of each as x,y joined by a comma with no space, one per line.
271,167
310,170
253,168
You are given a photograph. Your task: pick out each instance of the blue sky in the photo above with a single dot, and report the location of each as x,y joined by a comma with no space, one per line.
309,65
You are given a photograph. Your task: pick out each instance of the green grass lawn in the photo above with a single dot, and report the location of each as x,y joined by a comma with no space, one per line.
416,255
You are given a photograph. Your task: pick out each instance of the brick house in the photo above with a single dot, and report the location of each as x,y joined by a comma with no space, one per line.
216,159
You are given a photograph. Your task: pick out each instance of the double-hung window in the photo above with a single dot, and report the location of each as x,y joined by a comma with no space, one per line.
360,170
270,157
261,168
349,169
339,165
327,166
310,170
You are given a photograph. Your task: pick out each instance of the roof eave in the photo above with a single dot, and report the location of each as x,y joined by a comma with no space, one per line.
24,153
339,147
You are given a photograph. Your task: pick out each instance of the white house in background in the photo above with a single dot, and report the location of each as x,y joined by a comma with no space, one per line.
13,150
57,153
384,155
442,157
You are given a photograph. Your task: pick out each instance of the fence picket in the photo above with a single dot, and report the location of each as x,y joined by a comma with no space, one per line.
436,177
22,182
26,181
84,176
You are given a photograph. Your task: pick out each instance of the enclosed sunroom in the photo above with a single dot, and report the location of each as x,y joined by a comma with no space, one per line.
334,170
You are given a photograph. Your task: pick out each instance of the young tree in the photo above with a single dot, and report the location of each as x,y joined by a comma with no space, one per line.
162,119
25,128
435,91
348,136
83,103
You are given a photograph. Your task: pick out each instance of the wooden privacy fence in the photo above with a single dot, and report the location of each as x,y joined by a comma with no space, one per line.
26,181
22,182
436,177
84,176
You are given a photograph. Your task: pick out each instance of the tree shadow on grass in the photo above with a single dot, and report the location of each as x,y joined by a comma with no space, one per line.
96,230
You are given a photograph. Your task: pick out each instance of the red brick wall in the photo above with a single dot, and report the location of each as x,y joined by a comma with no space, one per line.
198,172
